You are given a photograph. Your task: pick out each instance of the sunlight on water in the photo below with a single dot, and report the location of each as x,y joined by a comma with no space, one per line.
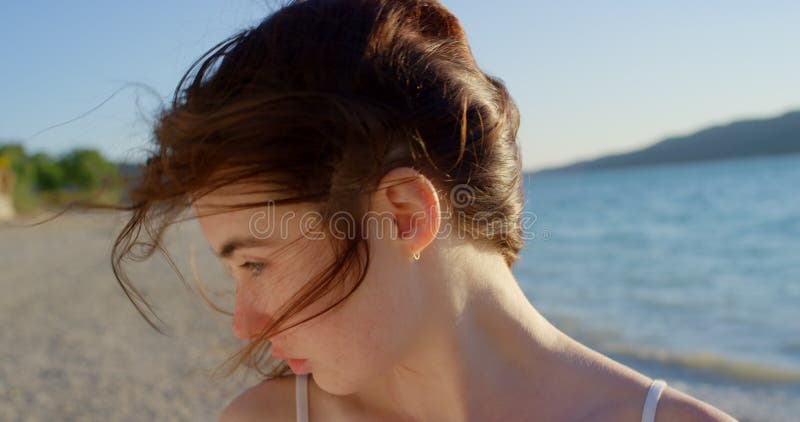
692,266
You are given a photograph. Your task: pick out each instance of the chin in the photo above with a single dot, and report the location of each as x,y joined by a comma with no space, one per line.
333,383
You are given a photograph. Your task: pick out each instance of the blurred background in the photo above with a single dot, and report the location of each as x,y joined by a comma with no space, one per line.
661,144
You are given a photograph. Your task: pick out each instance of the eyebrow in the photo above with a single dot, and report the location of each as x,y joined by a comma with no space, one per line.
231,245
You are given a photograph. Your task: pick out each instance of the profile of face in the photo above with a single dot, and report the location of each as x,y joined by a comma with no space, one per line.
271,254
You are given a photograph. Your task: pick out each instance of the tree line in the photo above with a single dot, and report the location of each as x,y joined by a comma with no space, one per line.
42,179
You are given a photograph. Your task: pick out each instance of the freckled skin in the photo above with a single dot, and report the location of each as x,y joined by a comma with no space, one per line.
346,347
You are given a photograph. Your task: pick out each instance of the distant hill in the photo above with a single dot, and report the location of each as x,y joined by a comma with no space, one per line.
745,138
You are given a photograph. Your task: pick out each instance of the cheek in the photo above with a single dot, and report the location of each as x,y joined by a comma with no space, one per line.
345,353
359,341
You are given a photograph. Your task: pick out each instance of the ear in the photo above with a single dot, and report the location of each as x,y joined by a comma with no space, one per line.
411,199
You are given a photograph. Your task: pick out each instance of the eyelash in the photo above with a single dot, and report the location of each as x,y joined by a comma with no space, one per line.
255,267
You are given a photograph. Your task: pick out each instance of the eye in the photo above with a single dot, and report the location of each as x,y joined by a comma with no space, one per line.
255,268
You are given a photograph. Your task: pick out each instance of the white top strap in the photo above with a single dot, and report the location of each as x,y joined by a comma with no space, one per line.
650,403
301,397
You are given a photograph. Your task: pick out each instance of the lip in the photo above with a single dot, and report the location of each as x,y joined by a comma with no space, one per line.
299,366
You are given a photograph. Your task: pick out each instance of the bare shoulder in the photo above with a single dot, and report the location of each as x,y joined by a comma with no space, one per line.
627,404
267,401
675,405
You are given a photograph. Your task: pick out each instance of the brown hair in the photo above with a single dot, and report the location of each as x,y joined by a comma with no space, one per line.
322,98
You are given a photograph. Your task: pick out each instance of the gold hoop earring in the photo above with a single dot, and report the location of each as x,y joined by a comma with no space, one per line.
416,256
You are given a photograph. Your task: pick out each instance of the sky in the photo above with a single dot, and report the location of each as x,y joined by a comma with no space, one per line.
589,78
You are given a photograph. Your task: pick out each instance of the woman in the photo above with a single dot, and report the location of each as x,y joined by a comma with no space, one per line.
359,176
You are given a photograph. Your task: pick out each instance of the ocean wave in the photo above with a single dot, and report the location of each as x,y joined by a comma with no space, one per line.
710,363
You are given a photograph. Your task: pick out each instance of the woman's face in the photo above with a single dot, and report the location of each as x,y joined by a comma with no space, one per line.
347,347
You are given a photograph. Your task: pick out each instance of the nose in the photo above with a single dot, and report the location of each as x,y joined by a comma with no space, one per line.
239,326
249,322
247,327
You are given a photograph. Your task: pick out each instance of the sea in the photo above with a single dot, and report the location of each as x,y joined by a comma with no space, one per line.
688,272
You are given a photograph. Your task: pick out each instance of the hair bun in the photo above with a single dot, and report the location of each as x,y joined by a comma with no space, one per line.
434,20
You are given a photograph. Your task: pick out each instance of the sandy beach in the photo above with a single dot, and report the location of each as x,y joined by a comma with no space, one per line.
75,349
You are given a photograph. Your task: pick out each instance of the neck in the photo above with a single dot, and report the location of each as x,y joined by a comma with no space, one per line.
483,345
